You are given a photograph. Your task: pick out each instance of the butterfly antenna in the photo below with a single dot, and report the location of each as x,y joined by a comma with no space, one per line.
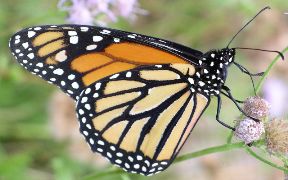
265,50
267,7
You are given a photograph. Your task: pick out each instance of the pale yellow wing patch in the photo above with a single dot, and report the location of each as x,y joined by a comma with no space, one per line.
121,85
107,102
130,140
113,134
102,120
157,95
152,139
159,75
201,103
174,137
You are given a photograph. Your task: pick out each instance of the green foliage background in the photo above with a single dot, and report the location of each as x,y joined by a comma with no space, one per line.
27,148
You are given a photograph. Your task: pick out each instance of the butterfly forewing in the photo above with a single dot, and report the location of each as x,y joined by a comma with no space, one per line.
73,56
139,119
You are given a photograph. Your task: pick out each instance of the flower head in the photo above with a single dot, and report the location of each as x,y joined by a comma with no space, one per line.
249,130
277,136
100,12
256,107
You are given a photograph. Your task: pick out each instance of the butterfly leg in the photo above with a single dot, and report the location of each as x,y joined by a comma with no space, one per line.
218,114
244,70
238,101
235,102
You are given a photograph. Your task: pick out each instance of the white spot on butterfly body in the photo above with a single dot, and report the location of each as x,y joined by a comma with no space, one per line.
87,91
71,76
119,154
131,36
230,59
99,149
61,56
97,86
17,37
31,55
128,74
81,112
95,95
116,40
158,66
213,55
75,85
105,31
25,61
87,106
147,162
85,133
84,100
114,76
74,39
191,81
72,33
63,83
84,29
58,71
136,166
221,65
112,148
109,155
70,92
31,33
91,141
201,83
200,62
17,50
213,77
25,45
88,126
130,158
39,64
212,63
139,158
91,47
127,165
118,161
97,38
100,142
206,71
37,28
17,41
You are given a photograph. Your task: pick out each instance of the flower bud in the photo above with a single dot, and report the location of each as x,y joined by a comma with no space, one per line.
277,136
249,130
256,107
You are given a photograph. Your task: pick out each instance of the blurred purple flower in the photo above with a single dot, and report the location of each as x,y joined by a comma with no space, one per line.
275,92
100,12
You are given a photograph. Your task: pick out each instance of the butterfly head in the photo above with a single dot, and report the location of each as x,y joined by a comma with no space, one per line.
213,69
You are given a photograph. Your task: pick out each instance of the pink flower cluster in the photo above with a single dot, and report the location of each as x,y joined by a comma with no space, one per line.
100,12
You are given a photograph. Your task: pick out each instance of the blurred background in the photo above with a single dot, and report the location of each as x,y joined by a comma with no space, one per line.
39,136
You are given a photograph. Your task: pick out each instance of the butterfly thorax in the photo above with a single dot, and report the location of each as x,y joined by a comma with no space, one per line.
211,75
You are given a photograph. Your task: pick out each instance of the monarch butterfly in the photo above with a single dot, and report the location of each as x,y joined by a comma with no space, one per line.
138,97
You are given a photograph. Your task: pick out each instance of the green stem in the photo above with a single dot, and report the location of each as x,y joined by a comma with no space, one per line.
230,136
259,85
222,148
252,153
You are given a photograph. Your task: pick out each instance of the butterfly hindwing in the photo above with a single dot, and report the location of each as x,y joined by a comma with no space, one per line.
139,119
73,56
